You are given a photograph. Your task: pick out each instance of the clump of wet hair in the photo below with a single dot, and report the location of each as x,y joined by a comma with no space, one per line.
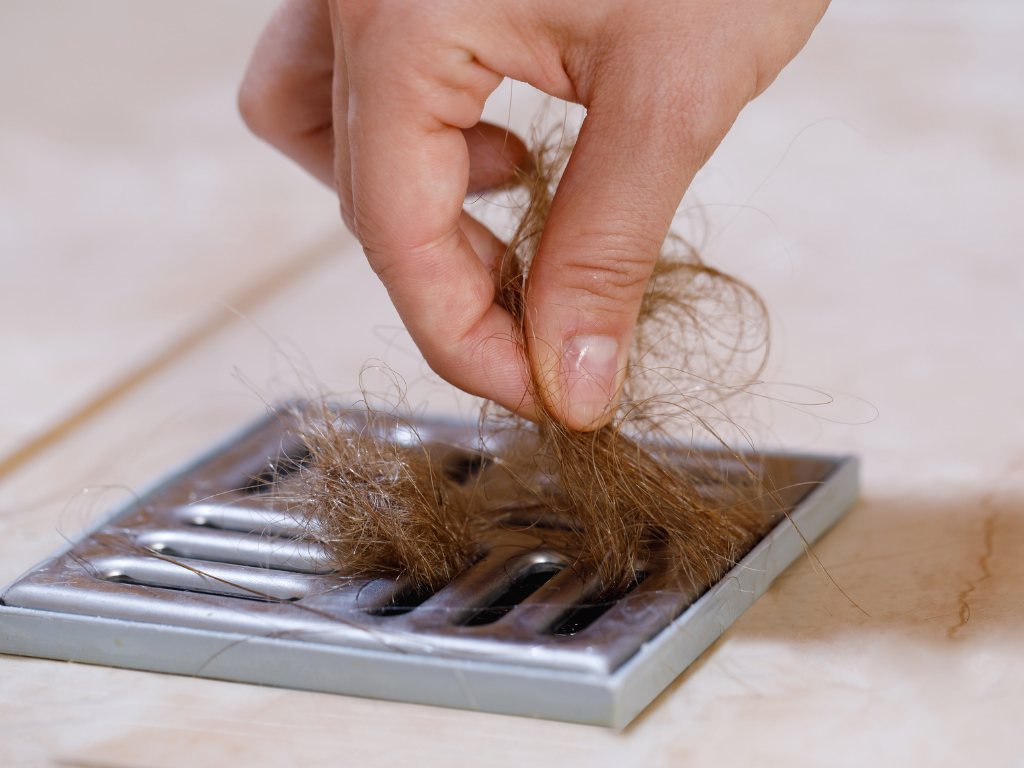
379,500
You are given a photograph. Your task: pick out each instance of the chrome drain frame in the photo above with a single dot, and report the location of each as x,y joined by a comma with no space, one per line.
232,590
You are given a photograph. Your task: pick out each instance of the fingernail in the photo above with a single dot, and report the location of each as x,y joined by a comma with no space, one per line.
590,365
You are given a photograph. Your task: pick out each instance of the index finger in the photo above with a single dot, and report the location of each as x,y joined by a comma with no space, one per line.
410,173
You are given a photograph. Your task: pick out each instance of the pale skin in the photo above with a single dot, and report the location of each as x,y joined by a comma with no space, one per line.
381,100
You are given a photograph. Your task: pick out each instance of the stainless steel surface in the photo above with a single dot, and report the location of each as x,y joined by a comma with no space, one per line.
237,566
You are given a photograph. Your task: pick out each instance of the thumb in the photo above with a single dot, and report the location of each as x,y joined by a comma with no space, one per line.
608,221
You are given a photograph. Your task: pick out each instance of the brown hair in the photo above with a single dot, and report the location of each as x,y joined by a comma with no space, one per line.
619,495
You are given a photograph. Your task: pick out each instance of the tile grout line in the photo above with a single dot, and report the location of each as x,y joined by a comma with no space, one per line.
246,299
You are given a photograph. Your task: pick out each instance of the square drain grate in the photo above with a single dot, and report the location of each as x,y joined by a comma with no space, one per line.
234,589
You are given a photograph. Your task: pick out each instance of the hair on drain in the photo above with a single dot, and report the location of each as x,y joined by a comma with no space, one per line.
615,497
516,567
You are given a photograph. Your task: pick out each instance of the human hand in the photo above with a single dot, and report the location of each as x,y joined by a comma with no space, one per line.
381,100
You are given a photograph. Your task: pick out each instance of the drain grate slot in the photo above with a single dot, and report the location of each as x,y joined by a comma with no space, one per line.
462,466
403,602
274,471
203,577
242,519
125,579
585,615
520,589
240,549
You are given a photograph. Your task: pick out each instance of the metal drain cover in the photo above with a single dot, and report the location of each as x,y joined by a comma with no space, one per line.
228,588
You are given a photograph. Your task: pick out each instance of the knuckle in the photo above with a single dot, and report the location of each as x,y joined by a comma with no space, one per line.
393,258
263,106
280,105
252,106
609,279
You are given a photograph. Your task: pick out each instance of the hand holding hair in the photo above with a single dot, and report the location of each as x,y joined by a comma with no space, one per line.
381,100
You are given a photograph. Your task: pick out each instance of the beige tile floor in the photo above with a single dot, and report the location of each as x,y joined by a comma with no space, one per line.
873,195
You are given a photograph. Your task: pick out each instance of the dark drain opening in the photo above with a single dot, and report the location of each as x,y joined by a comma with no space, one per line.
585,615
520,589
465,465
125,579
288,463
403,602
